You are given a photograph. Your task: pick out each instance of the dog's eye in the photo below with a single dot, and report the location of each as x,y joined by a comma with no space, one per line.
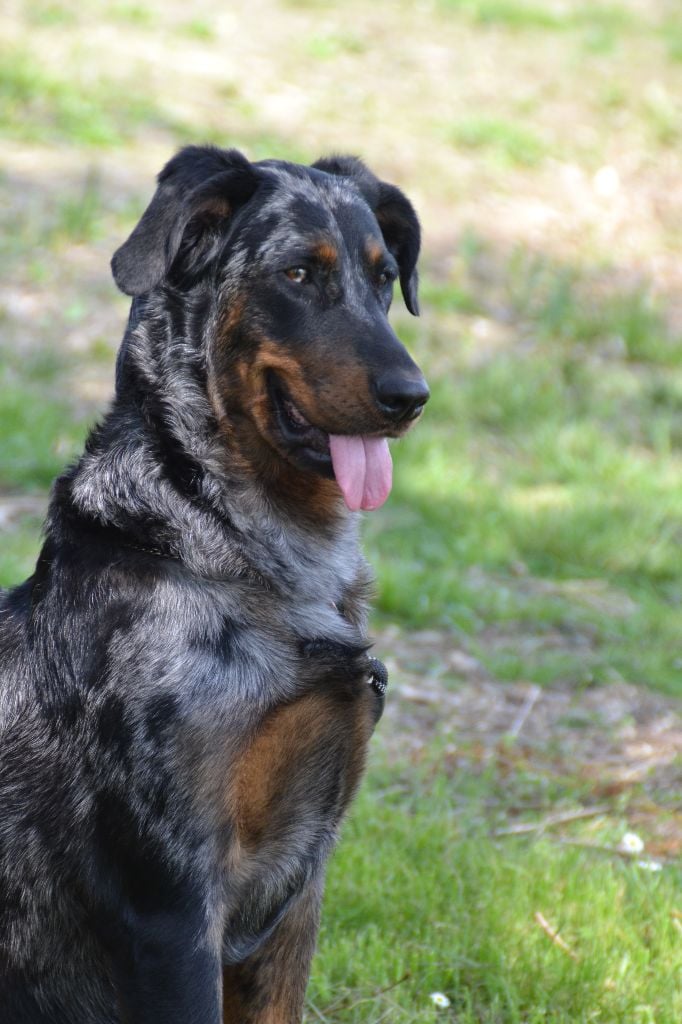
299,275
385,277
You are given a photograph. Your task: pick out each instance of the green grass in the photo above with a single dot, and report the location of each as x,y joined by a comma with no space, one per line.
40,431
48,13
139,15
79,217
440,906
662,114
326,47
516,15
41,105
508,141
19,548
577,306
199,29
671,32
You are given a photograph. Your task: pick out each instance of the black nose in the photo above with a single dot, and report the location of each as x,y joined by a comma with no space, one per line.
401,397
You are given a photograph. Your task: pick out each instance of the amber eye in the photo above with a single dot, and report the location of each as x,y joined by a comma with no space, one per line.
299,275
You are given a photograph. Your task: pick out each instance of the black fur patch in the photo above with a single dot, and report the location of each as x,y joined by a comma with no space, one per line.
113,731
160,713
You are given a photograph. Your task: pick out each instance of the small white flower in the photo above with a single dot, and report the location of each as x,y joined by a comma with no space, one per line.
631,843
440,1000
650,865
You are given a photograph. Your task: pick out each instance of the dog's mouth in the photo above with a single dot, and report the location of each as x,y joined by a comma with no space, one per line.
360,464
297,431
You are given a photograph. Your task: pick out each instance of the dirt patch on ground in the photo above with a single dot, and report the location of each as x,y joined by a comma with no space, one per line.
618,743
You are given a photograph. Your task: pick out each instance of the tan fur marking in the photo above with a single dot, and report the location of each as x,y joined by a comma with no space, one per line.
363,726
270,987
375,250
270,356
325,252
235,1013
320,391
264,770
343,388
233,314
332,396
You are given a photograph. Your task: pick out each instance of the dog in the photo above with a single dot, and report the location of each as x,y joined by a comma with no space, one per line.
186,693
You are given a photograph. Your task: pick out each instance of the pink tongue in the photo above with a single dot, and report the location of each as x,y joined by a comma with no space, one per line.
363,470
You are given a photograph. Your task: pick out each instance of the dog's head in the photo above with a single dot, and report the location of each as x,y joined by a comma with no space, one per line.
299,265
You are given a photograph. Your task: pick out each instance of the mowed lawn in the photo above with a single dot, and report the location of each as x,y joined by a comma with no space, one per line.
536,520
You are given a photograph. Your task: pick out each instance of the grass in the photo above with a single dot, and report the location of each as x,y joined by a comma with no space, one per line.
536,518
39,430
42,105
333,45
20,547
440,906
509,142
519,15
49,14
198,28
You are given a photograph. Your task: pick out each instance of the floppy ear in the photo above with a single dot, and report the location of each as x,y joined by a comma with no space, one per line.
402,234
396,217
197,191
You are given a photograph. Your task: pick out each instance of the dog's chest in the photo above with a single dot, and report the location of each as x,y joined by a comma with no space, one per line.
302,763
288,788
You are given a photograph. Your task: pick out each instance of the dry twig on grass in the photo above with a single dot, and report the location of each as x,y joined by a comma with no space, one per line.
529,703
553,934
550,822
342,1002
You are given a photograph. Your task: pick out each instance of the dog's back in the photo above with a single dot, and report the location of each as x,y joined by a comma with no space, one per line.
185,692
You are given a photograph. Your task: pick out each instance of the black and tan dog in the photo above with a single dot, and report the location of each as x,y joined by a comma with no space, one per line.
186,695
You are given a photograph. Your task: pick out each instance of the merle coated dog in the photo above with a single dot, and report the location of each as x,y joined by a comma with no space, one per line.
186,694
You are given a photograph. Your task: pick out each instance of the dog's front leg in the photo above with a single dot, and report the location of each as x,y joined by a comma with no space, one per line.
166,972
269,987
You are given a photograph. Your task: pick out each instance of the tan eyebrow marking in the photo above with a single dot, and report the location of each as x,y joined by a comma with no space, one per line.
375,250
326,252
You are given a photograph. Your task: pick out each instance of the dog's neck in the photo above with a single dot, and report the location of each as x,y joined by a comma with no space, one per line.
158,471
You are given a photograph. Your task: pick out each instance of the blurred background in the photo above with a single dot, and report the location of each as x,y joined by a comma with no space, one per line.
526,778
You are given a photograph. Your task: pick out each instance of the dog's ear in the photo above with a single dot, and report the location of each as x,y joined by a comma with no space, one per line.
198,191
400,228
396,216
